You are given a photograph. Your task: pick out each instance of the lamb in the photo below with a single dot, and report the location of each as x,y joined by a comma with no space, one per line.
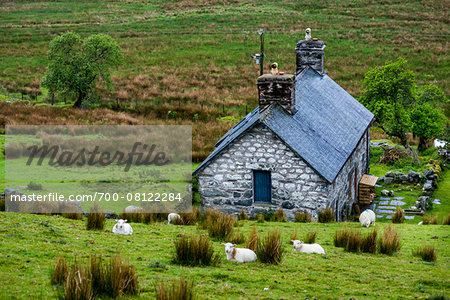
122,228
241,255
367,217
307,248
172,217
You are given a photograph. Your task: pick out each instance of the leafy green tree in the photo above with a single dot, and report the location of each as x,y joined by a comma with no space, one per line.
430,94
387,86
397,122
76,65
427,122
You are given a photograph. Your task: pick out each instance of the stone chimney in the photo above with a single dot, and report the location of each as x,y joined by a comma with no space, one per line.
310,52
276,87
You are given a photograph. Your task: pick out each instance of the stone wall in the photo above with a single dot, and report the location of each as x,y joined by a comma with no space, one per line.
227,183
342,191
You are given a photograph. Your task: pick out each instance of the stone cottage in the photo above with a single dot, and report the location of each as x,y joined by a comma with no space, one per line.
305,147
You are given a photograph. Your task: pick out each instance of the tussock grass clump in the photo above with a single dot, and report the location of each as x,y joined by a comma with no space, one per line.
310,237
238,238
95,218
369,242
59,272
220,226
260,218
326,215
84,281
389,242
2,204
426,219
243,215
302,217
73,215
270,249
353,241
178,290
426,252
341,237
399,216
446,220
132,217
78,284
253,239
190,218
279,216
294,236
196,250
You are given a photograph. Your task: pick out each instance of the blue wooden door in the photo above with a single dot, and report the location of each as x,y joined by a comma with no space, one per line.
262,186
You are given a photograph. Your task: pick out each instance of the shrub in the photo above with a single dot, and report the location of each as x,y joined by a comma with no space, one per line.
279,216
426,219
438,297
59,272
353,241
310,237
243,215
253,239
208,217
446,220
302,217
270,249
238,238
369,242
326,215
95,218
195,251
399,216
389,242
341,237
260,218
426,252
178,290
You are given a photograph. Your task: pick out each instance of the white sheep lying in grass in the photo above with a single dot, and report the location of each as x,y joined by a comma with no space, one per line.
133,209
307,248
122,228
172,217
367,217
241,255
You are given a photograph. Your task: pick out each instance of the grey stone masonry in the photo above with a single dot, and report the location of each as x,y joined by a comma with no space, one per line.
227,183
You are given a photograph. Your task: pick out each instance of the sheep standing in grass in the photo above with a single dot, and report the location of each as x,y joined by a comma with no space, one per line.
367,217
122,227
172,217
241,255
307,248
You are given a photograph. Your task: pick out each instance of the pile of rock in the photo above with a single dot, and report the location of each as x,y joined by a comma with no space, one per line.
399,177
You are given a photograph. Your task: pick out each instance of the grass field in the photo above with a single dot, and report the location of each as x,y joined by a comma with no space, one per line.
30,243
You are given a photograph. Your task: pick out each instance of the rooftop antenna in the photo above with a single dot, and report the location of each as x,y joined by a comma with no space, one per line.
259,57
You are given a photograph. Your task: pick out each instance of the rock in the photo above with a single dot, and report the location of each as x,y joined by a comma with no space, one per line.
391,193
384,211
413,176
388,180
380,216
409,217
248,194
429,173
389,174
287,205
428,185
384,202
397,203
380,179
436,201
399,198
403,178
246,202
422,202
385,193
385,198
237,195
386,207
214,193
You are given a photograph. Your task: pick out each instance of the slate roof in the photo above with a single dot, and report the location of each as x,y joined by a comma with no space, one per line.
324,131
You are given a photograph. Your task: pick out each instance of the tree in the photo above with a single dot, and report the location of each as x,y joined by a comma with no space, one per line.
76,65
387,86
427,123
